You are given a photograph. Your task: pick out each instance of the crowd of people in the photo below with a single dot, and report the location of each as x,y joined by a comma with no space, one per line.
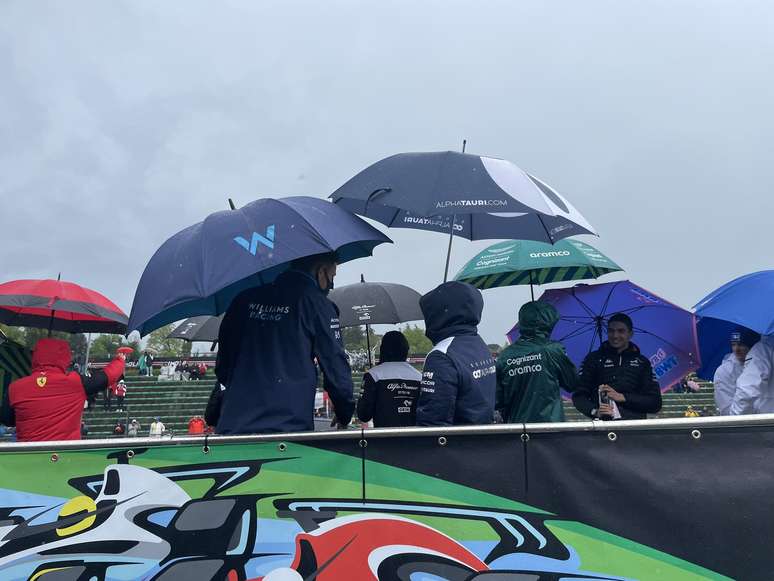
264,387
275,339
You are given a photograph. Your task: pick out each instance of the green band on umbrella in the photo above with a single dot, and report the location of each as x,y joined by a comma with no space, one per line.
511,263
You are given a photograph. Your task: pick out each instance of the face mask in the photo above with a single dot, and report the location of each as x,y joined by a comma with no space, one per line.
329,285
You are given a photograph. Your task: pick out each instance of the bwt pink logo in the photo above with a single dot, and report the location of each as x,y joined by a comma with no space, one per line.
644,297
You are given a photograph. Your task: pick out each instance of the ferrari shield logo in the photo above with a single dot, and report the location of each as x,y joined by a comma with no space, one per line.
41,381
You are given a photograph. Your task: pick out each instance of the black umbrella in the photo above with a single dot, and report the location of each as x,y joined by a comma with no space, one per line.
375,303
203,328
471,196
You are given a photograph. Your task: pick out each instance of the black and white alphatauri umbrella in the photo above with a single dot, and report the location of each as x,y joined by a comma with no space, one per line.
471,196
375,303
203,328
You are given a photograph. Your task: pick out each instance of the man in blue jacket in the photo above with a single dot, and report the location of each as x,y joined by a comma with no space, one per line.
269,340
458,380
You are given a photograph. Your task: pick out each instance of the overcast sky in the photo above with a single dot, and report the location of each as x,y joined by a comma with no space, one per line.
123,122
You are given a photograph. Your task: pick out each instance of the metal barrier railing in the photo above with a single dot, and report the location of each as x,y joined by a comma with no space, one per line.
515,429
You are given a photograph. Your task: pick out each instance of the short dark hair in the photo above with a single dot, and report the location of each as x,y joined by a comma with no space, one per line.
394,347
314,262
621,318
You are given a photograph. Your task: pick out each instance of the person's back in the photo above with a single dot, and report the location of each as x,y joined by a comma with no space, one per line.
532,372
391,388
269,339
458,379
48,404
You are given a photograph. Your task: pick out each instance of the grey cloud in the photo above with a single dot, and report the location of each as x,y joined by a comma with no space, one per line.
121,123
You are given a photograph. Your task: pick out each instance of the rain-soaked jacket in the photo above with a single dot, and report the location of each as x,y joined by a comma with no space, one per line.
458,379
269,341
724,382
532,371
48,404
755,385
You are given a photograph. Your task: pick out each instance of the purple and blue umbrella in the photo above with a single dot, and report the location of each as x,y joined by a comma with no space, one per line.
747,301
199,270
664,332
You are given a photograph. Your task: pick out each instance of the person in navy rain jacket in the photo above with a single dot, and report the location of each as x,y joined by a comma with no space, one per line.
459,377
269,340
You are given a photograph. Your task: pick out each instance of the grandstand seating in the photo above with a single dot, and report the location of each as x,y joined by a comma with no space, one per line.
176,402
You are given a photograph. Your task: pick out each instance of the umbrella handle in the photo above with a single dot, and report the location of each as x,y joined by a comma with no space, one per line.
375,193
448,250
451,231
51,321
368,345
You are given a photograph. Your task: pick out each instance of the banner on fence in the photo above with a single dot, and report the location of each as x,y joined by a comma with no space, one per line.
656,504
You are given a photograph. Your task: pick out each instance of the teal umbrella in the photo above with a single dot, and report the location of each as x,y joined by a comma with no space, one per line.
526,262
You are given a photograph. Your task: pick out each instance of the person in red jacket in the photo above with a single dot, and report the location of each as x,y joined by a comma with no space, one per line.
120,393
196,425
48,404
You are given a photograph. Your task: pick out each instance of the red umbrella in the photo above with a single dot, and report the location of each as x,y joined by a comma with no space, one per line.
60,306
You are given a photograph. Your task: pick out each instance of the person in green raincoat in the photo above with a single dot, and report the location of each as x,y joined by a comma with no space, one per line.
532,371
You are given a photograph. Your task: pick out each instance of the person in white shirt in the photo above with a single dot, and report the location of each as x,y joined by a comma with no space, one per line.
133,429
157,428
730,369
755,385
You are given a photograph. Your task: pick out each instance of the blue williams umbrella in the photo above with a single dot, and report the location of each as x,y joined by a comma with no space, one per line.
471,196
747,301
199,270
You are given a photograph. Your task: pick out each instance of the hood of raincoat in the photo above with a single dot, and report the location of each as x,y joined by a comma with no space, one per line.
537,320
451,309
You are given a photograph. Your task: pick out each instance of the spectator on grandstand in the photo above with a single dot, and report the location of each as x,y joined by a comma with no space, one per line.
196,425
681,386
84,429
145,364
691,413
120,394
532,371
686,385
193,372
134,428
618,374
157,428
269,339
726,375
118,430
458,379
48,403
202,369
184,370
391,388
